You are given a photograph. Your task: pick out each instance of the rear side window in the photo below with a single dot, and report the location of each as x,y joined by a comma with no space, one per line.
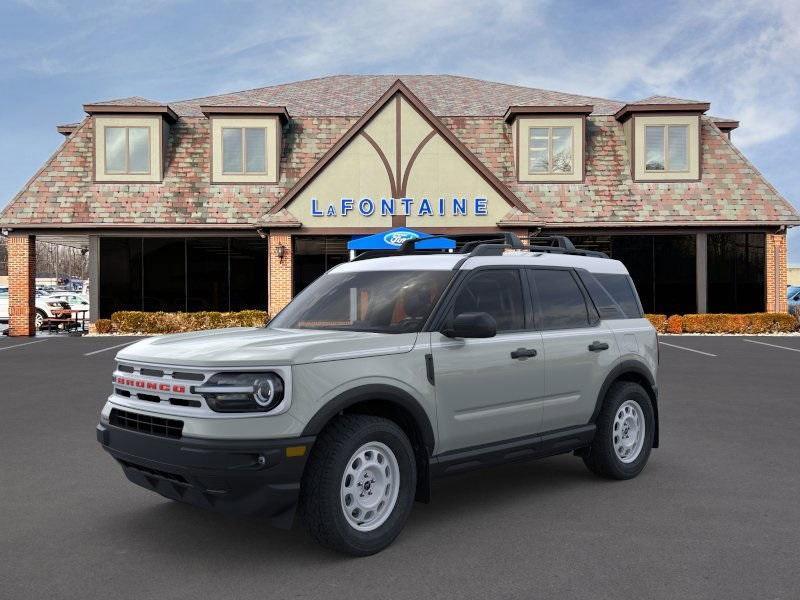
621,289
497,292
560,301
605,304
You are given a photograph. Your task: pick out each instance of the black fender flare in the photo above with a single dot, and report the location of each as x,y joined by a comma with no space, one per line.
375,391
621,369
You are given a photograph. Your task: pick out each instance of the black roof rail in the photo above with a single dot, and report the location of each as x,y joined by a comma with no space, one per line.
557,241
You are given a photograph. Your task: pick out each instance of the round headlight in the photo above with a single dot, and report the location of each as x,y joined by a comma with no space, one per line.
264,392
242,392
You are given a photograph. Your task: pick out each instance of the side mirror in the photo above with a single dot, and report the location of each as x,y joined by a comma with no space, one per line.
472,325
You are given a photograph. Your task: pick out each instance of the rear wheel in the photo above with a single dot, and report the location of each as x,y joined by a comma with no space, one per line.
359,485
39,319
624,438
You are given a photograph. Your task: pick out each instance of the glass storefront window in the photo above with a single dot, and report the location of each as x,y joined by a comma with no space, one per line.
164,274
207,284
663,267
314,255
182,274
248,273
736,272
120,275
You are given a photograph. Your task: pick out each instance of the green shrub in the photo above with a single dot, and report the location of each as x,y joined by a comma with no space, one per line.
132,321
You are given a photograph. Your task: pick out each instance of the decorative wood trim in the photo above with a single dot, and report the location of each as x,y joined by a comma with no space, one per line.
398,145
727,125
131,109
515,111
279,111
412,158
630,109
399,87
384,160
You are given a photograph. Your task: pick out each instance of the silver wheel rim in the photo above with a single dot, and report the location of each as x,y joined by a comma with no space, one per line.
39,320
370,486
628,432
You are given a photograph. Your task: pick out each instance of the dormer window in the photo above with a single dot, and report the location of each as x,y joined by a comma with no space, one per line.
548,142
550,150
245,143
127,150
666,148
663,138
244,150
129,140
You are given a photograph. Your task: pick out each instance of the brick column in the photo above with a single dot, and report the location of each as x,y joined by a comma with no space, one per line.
21,284
280,271
775,273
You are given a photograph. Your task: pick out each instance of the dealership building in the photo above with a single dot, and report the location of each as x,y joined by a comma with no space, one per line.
240,200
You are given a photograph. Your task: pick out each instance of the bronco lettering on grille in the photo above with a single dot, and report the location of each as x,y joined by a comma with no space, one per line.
150,385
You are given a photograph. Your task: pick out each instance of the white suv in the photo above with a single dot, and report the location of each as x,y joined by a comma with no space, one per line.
387,372
46,307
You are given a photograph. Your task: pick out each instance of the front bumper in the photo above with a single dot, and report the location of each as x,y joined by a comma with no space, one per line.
250,477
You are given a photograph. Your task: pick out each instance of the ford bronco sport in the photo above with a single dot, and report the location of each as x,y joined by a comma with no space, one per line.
385,373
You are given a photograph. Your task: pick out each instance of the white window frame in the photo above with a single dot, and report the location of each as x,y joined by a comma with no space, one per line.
244,171
665,148
550,170
127,129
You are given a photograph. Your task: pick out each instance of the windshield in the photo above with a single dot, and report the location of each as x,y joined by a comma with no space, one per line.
378,301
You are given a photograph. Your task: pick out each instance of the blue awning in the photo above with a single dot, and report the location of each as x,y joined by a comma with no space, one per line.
394,238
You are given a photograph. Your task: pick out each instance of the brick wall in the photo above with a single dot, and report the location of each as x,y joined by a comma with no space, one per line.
21,284
776,273
280,271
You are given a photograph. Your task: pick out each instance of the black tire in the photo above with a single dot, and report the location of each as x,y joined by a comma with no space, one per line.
320,503
601,458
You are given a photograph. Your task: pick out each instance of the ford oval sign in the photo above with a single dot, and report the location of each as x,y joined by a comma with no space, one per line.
396,238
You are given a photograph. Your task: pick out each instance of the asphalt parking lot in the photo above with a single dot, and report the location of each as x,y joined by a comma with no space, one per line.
714,515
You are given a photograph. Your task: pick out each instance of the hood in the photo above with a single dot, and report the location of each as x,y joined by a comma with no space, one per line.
261,346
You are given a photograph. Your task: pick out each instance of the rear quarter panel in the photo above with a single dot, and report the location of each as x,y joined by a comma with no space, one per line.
637,340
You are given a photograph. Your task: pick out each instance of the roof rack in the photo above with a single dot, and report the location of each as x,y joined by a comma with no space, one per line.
553,244
560,244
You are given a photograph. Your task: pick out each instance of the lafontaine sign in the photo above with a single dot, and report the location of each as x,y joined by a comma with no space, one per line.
422,207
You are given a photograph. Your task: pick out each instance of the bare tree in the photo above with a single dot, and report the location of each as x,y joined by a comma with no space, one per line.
52,260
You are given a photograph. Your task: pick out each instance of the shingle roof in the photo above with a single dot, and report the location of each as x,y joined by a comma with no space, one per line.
130,101
352,95
665,100
63,193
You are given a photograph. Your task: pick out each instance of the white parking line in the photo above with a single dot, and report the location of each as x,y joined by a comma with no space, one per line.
688,349
20,345
110,348
772,345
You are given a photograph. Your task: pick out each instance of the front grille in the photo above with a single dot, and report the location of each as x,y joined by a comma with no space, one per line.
162,385
169,428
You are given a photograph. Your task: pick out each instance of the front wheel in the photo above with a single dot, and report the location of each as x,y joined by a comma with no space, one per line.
39,318
358,488
624,436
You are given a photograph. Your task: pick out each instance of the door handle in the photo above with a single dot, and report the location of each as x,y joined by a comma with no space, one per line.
522,353
597,346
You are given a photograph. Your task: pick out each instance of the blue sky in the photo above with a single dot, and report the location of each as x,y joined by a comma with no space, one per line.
56,55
